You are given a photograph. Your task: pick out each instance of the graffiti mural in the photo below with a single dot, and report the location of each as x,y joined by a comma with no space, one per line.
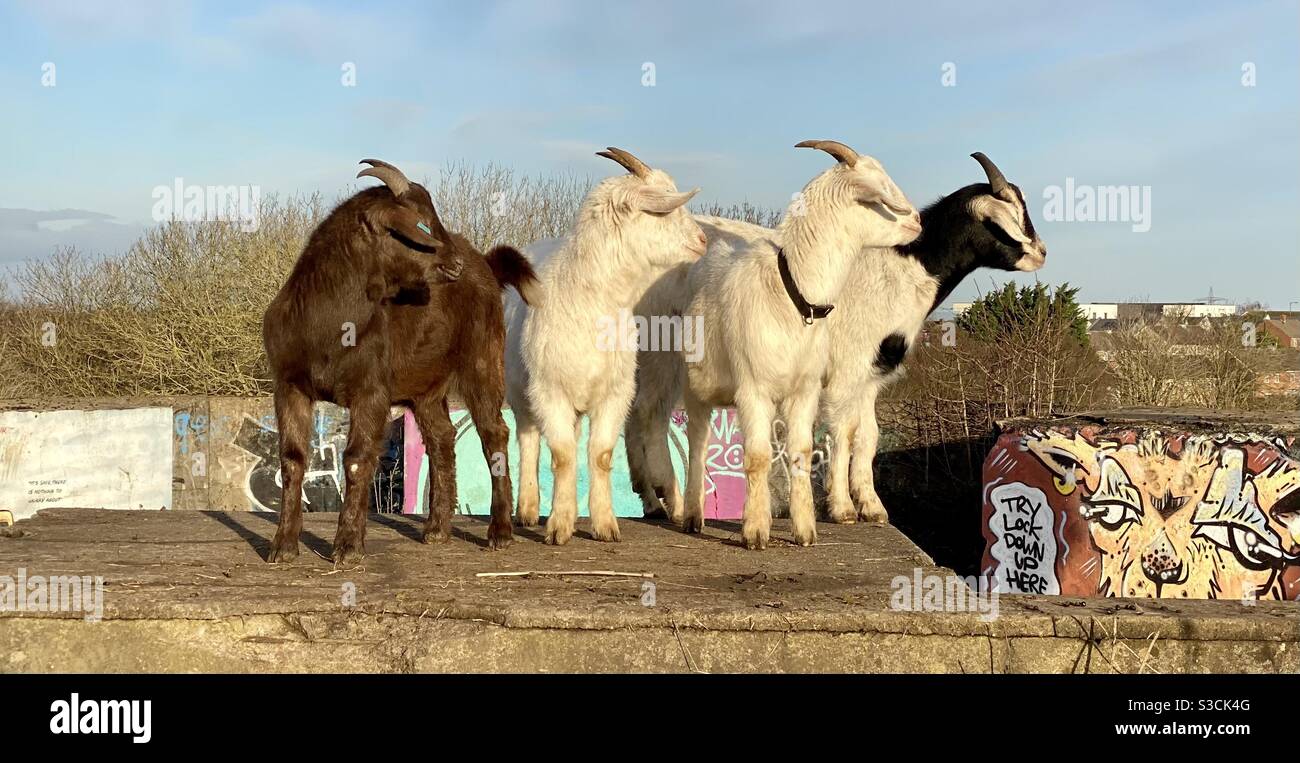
1143,513
226,455
323,482
724,475
1024,545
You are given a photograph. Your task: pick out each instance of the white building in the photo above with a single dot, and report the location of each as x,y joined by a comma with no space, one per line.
1197,310
1102,311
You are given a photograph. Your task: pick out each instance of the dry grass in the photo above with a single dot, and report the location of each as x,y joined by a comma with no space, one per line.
1166,364
180,312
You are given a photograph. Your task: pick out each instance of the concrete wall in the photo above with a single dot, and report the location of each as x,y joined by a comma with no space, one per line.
1143,511
221,453
62,459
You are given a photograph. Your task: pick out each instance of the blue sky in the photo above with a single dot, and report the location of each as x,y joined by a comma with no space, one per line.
1145,94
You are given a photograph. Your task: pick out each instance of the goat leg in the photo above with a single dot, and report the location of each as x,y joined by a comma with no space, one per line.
870,507
495,435
368,417
698,414
293,418
756,413
434,420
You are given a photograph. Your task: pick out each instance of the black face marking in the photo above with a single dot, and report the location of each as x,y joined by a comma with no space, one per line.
1029,224
1001,235
893,349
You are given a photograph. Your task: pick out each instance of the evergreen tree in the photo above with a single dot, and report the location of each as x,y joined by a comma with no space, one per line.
1002,312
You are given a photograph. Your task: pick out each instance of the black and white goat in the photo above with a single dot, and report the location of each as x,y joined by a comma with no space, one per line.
887,295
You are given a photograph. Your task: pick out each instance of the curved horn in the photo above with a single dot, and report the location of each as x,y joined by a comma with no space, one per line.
392,177
629,162
841,152
997,181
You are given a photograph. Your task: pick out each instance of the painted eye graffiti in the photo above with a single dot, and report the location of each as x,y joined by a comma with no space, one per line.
1250,549
1068,481
1112,515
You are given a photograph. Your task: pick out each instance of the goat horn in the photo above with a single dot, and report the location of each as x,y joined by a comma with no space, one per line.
629,162
392,177
841,152
997,181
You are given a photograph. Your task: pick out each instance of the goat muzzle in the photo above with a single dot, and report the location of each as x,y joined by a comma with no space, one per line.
450,271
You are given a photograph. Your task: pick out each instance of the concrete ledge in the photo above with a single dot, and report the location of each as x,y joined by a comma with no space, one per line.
188,591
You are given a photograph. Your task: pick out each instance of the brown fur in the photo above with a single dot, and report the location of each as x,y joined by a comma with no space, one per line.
428,320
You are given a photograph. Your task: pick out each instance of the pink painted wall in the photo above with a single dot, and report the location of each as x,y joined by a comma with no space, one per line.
724,486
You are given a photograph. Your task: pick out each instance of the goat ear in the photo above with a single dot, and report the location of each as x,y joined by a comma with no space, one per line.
870,190
658,201
409,224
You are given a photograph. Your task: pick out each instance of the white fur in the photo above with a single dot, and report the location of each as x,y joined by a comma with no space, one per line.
627,231
885,293
888,293
758,352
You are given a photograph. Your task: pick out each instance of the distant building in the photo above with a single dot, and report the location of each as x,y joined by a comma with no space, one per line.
1286,332
1195,310
1094,311
1132,311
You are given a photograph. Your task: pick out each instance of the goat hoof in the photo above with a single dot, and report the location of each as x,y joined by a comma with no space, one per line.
347,556
527,520
282,553
874,514
844,516
499,537
607,534
657,513
438,535
805,538
693,524
755,541
557,537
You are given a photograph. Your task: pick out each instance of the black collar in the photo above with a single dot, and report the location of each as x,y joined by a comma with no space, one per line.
807,310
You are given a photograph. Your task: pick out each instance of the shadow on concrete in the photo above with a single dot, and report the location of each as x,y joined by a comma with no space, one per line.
262,544
317,545
407,525
934,497
412,526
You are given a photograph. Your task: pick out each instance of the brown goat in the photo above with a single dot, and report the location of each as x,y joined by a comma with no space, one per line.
386,307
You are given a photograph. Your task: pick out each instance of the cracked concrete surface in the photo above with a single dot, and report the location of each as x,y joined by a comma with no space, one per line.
189,591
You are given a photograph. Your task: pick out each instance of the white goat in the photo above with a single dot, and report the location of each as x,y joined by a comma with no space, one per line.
569,357
764,344
888,294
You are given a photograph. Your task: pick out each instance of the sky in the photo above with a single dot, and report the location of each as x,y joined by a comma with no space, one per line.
1194,106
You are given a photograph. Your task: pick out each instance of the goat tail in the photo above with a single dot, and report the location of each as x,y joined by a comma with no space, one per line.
513,269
